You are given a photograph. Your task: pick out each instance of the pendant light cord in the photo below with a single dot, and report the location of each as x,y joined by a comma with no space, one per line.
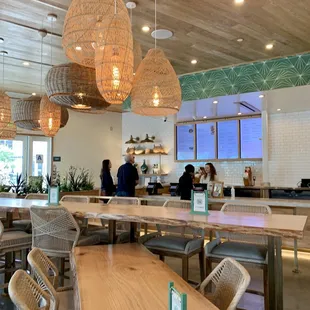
41,65
115,7
155,25
52,30
3,70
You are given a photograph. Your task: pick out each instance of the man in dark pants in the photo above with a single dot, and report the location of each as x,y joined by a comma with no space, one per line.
128,178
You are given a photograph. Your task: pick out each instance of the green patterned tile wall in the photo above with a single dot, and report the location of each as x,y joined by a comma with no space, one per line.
258,76
276,73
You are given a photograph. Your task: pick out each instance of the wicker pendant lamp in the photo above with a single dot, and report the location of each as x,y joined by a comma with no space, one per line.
50,116
64,117
26,113
74,86
114,58
156,90
8,132
79,34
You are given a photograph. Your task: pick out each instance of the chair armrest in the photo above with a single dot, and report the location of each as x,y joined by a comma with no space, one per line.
64,288
148,237
211,245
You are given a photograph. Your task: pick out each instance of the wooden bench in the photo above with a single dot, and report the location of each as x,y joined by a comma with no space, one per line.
126,276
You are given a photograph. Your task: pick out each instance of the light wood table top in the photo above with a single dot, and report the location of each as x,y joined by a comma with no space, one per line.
289,226
126,276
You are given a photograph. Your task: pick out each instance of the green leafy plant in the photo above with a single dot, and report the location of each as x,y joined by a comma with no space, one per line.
19,185
35,185
77,179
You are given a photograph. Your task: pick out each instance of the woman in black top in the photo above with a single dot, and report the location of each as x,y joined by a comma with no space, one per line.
107,186
186,182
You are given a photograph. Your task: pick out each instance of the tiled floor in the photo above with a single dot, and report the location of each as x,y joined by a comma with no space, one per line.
296,286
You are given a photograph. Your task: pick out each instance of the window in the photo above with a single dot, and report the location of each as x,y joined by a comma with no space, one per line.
19,156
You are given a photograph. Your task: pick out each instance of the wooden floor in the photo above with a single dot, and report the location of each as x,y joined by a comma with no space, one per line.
296,286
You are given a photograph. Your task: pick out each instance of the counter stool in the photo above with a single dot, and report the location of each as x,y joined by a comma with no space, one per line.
249,250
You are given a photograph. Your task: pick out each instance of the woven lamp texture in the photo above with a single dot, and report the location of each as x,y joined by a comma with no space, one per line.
26,113
72,86
50,117
5,110
156,90
114,59
79,34
137,55
64,117
8,132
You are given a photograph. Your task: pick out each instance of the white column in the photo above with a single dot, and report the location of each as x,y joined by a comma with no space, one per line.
265,145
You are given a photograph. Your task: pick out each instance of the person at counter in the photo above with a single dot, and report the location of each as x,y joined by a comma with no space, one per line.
128,178
107,185
208,174
186,182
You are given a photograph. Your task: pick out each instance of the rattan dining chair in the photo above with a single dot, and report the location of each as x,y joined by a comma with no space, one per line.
56,233
26,294
47,276
11,242
34,196
3,214
75,198
228,281
250,250
177,241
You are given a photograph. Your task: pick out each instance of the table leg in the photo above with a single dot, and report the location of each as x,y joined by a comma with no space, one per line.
133,230
271,273
9,218
279,274
112,231
296,265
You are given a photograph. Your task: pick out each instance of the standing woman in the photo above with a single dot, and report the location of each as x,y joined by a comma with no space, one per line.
208,174
107,186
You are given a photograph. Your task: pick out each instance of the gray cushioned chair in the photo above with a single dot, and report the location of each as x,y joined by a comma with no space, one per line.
175,241
249,250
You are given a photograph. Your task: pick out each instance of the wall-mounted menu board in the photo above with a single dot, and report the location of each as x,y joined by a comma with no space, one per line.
251,137
185,142
219,140
206,140
228,139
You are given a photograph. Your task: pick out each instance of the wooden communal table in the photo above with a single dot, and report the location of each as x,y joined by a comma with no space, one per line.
275,226
126,276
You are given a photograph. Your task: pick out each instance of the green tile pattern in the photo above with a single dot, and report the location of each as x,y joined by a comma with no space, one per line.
276,73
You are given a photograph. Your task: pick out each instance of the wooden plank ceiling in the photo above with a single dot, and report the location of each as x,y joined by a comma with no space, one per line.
206,30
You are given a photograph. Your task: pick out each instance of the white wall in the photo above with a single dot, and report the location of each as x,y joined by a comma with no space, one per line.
87,139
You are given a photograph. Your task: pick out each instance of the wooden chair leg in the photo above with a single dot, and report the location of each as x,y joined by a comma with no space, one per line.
23,258
162,258
185,268
202,265
266,296
208,266
62,272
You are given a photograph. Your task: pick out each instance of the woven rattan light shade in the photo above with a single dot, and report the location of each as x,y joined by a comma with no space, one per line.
79,35
5,110
50,117
156,90
64,117
8,132
137,55
71,85
26,113
114,60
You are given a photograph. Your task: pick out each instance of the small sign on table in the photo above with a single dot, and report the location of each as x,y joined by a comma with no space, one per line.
53,196
199,202
177,301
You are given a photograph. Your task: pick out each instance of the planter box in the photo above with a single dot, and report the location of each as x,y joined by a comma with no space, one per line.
94,192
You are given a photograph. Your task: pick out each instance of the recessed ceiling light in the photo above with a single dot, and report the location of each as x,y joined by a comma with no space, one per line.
204,117
278,109
78,48
215,102
146,28
4,53
51,17
34,94
240,40
269,46
1,40
131,5
194,61
26,63
239,113
261,96
239,1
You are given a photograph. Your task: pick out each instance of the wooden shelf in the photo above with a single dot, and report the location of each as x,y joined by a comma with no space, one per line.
151,154
153,175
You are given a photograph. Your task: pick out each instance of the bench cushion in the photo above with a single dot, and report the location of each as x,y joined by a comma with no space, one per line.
174,244
241,251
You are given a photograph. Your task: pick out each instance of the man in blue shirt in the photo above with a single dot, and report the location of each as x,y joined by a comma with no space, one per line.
128,178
